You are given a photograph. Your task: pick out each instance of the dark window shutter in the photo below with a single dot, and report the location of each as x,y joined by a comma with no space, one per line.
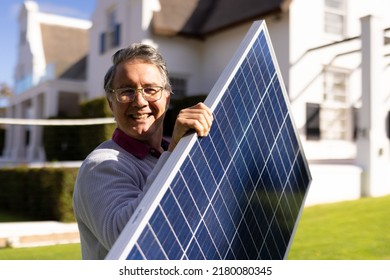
313,131
102,43
388,125
355,125
117,35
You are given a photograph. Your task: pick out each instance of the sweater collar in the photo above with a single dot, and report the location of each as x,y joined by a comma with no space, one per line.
135,147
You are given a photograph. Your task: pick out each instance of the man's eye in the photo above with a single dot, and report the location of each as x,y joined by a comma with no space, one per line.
150,90
127,91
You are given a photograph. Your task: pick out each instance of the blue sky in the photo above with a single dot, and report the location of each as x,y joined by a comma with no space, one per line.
9,30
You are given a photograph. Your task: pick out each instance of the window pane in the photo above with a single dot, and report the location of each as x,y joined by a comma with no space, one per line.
335,12
334,23
102,43
179,86
335,117
334,123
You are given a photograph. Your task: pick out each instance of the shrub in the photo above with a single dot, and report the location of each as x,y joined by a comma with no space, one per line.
64,143
38,193
93,135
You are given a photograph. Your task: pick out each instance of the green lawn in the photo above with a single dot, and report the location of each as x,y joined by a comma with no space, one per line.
350,230
347,230
57,252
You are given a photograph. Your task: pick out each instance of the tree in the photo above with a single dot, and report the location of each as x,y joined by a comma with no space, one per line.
5,90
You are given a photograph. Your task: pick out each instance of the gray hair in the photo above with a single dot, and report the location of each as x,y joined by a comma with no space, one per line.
144,52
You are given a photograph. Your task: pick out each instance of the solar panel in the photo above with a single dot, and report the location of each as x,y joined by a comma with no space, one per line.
237,193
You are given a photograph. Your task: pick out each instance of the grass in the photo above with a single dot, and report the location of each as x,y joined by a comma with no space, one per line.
351,230
56,252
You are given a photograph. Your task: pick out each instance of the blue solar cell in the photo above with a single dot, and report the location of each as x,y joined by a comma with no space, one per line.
194,252
187,206
161,226
175,217
238,193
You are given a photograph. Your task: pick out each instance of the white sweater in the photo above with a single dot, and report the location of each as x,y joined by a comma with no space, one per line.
110,184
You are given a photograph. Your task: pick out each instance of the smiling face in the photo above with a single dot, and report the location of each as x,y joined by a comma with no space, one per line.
140,119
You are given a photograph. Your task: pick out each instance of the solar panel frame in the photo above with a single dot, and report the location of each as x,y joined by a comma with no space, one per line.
162,200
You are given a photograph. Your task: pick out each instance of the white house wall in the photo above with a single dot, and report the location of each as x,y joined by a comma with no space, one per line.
333,183
31,58
134,29
183,58
307,64
202,62
337,173
217,50
97,63
361,8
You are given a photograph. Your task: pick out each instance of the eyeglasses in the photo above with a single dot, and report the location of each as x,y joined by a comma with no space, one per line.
127,95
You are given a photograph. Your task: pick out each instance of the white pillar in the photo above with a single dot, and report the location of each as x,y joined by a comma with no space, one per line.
7,151
372,144
18,136
50,103
35,149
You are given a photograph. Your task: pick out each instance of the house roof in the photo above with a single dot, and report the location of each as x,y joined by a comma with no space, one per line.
200,18
77,71
64,46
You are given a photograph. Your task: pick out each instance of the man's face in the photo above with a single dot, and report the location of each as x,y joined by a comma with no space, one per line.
140,119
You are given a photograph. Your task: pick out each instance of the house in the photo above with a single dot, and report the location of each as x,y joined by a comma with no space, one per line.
50,77
334,56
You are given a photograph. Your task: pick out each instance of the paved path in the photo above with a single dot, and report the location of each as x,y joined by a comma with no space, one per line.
29,234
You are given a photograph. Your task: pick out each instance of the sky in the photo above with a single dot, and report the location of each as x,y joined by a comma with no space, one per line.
9,30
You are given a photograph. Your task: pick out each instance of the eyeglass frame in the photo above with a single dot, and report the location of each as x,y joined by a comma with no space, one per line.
136,90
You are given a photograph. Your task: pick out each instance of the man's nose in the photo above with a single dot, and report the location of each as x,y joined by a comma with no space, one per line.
139,98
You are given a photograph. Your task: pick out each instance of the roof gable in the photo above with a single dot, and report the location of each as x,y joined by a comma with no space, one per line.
63,46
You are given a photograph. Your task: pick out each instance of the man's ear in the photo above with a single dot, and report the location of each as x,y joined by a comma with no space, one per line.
168,100
110,104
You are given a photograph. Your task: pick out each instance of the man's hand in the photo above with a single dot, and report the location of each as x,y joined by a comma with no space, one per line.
197,117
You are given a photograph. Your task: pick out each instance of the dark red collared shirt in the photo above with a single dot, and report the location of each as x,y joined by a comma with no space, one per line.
135,147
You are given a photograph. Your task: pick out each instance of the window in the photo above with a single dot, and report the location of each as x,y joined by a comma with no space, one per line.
335,86
179,86
388,125
335,12
111,37
336,116
313,131
102,43
113,30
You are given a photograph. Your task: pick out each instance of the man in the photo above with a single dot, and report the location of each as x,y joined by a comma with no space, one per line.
114,178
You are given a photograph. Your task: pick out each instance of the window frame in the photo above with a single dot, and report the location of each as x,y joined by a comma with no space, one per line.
111,37
179,86
331,12
336,114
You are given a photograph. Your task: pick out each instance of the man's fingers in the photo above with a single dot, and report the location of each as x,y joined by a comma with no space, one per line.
198,117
